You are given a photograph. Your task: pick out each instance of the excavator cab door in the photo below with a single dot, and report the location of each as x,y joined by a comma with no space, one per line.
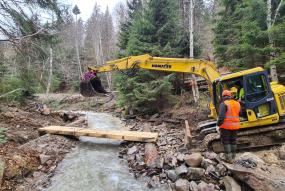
258,97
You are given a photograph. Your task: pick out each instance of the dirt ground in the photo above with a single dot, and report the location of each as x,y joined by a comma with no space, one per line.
22,160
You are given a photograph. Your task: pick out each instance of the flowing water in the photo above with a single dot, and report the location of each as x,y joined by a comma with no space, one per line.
94,163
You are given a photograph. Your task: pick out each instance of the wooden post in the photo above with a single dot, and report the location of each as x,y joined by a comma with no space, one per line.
188,137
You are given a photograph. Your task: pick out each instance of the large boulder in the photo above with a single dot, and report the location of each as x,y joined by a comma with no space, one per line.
193,160
182,185
260,176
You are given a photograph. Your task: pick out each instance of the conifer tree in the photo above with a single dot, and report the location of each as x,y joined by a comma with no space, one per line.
133,7
156,30
242,34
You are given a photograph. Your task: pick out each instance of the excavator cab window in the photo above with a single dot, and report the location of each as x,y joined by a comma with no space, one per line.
256,88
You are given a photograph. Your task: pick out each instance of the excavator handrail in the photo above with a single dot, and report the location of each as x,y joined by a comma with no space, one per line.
203,68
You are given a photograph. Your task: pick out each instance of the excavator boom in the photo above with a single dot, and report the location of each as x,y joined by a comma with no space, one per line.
203,68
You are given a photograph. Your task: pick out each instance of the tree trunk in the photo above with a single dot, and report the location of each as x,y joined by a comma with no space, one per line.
50,70
195,89
77,51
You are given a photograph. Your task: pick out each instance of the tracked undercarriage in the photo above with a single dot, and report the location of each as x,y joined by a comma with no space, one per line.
253,138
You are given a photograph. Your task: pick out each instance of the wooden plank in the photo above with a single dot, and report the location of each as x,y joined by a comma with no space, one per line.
188,137
110,134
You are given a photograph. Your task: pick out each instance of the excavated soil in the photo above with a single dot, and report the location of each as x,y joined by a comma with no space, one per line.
25,153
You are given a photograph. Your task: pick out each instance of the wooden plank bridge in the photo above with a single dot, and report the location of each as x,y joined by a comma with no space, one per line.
110,134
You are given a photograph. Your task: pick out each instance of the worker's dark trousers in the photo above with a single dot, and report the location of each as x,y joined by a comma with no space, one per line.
228,138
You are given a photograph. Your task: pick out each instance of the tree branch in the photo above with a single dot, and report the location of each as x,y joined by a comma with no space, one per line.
276,12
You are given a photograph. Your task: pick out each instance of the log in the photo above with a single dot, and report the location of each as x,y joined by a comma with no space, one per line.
110,134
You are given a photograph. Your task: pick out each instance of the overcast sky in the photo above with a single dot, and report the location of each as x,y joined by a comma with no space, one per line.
86,6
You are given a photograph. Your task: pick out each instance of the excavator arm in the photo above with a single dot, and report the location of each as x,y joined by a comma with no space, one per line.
203,68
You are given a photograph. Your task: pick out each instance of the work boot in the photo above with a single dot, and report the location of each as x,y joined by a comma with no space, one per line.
233,150
228,153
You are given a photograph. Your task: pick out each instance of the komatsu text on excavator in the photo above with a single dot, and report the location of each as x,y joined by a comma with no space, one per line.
262,101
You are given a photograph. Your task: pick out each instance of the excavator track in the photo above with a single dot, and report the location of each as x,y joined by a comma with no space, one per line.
249,139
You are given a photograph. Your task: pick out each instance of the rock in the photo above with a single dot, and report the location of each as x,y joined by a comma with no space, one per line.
282,163
44,158
282,152
37,174
193,186
154,182
174,161
45,110
230,184
163,175
249,156
210,155
146,127
222,169
207,162
209,169
152,159
182,185
132,150
211,187
2,167
139,158
181,170
195,173
257,174
193,160
171,174
180,157
270,158
203,186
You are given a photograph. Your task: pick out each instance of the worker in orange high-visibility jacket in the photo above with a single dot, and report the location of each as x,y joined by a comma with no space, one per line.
228,123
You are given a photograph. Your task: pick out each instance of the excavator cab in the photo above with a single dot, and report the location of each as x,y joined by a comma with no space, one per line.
258,106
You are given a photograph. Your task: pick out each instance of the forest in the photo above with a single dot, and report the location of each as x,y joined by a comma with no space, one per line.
46,46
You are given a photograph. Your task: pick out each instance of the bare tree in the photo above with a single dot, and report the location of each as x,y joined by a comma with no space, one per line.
50,70
76,11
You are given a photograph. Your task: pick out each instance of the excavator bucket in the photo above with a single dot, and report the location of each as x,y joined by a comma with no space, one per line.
88,88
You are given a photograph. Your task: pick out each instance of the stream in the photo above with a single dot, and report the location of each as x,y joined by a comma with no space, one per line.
94,163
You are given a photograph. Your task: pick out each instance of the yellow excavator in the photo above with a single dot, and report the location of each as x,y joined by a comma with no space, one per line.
263,102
